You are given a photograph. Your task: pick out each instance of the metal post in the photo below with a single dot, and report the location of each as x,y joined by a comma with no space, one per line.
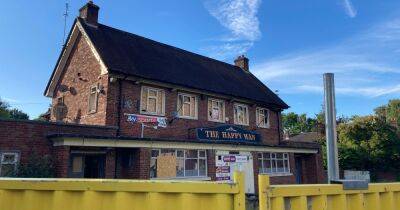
142,131
330,127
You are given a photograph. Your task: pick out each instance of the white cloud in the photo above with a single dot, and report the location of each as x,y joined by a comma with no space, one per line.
349,8
364,91
240,18
11,100
365,65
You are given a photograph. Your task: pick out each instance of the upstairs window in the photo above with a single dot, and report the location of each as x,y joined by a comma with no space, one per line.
8,163
93,98
262,117
187,106
153,101
241,112
216,110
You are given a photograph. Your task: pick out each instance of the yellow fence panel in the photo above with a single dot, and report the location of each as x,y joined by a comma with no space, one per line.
103,194
383,196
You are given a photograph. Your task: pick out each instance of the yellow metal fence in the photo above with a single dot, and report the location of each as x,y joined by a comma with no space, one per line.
81,194
385,196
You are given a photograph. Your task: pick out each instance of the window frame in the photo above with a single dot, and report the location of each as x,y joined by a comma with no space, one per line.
273,159
267,124
196,101
15,162
96,100
235,118
184,158
159,91
211,100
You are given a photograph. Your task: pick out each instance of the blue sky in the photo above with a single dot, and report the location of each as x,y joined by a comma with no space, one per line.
290,44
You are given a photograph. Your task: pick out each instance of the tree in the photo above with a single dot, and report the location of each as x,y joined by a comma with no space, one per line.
390,112
18,114
368,143
4,109
7,113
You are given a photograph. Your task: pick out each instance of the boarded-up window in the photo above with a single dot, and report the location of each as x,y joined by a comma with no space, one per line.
152,101
93,98
262,117
187,106
216,110
170,163
241,113
8,163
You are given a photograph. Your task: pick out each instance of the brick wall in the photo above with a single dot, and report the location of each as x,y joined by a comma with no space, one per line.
82,71
179,128
29,137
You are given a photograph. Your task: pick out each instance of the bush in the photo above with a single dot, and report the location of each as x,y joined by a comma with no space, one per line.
37,167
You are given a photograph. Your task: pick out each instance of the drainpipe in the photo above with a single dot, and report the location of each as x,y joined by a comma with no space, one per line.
330,127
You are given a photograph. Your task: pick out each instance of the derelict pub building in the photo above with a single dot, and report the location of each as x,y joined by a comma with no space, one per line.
165,113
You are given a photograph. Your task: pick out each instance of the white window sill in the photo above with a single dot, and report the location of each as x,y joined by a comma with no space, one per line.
187,118
277,174
242,124
188,178
217,121
152,114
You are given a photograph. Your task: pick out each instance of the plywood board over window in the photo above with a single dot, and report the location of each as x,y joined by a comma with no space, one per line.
216,110
187,106
166,165
93,98
262,117
152,101
241,114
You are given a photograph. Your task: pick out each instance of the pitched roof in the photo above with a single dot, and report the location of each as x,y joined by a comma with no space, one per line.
306,137
133,55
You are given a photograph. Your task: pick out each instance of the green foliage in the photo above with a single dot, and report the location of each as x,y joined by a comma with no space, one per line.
18,114
295,124
37,167
7,113
364,142
368,143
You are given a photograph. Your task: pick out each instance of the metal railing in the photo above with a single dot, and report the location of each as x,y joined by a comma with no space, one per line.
382,196
108,194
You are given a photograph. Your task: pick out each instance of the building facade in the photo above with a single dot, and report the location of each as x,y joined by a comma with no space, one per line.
124,106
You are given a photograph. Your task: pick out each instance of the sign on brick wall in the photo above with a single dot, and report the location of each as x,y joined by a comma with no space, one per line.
227,133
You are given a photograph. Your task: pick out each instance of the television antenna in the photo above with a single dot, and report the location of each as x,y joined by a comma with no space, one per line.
65,21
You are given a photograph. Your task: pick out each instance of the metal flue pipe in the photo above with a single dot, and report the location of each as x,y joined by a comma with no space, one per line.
330,127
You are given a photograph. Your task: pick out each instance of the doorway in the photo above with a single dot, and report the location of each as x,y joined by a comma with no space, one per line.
87,165
299,170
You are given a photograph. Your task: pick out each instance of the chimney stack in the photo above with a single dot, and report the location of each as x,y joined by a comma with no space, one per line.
242,62
90,13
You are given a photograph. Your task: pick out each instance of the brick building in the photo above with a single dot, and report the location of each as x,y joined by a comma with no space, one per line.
124,106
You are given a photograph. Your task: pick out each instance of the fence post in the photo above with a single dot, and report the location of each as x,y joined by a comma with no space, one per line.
239,199
263,185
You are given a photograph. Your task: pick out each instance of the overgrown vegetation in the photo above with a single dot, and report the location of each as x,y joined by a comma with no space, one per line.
6,112
37,166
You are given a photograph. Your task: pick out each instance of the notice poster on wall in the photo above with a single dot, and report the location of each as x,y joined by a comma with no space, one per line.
225,163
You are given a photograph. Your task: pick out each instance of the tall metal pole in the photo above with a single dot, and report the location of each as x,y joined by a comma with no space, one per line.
330,127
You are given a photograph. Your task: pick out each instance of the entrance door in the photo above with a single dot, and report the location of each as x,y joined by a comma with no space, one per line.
86,165
94,166
299,170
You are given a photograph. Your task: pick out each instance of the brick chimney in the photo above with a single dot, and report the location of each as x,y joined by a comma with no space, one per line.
90,13
242,62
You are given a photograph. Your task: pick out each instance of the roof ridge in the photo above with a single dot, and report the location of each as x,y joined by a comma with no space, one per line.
167,45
